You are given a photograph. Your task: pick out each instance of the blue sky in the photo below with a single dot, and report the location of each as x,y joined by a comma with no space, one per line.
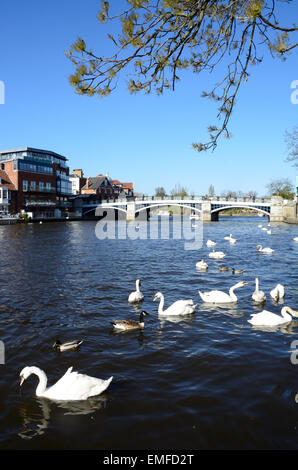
144,139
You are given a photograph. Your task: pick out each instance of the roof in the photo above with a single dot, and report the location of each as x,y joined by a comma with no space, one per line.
94,182
6,181
32,149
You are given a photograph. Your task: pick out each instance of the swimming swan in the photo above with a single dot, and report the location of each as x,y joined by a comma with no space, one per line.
278,292
264,250
217,296
202,265
258,295
231,239
210,243
180,307
71,386
137,295
217,254
266,318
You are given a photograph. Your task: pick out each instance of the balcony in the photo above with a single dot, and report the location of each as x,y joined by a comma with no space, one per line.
40,203
39,190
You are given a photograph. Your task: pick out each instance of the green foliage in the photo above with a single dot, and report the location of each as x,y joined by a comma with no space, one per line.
281,187
159,39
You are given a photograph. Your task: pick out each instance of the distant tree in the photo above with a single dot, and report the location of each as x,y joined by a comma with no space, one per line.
160,192
179,191
291,139
157,39
281,187
252,193
211,191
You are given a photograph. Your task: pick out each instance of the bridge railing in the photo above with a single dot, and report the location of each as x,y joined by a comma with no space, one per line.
213,199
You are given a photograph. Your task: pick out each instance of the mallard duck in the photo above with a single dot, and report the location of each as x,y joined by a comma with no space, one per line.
71,386
136,296
237,271
130,324
71,345
223,268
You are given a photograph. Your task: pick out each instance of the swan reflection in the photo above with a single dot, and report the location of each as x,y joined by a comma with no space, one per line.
36,420
229,309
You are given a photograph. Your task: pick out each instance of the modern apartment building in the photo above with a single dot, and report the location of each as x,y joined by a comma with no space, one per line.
40,178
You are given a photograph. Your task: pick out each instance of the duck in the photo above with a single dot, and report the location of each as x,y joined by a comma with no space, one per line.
278,292
258,295
210,243
71,345
180,307
217,296
202,265
223,268
136,296
264,250
266,318
217,254
237,271
71,386
130,324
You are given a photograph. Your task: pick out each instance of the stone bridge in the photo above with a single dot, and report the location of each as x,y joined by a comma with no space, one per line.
207,208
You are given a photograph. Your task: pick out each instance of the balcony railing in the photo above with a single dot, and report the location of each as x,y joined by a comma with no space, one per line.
40,203
39,190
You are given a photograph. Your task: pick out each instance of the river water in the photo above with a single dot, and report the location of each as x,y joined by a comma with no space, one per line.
207,381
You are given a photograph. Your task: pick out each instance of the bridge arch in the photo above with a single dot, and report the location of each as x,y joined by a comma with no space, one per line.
176,204
219,209
104,209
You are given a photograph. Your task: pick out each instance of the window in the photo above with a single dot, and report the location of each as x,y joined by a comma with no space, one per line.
25,185
41,185
32,185
48,186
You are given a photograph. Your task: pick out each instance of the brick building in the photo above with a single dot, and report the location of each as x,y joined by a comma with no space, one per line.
41,180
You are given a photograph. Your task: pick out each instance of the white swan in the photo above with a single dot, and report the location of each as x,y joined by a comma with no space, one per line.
217,296
202,265
266,318
137,295
210,243
231,239
180,307
258,295
295,239
71,386
217,254
264,250
278,292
